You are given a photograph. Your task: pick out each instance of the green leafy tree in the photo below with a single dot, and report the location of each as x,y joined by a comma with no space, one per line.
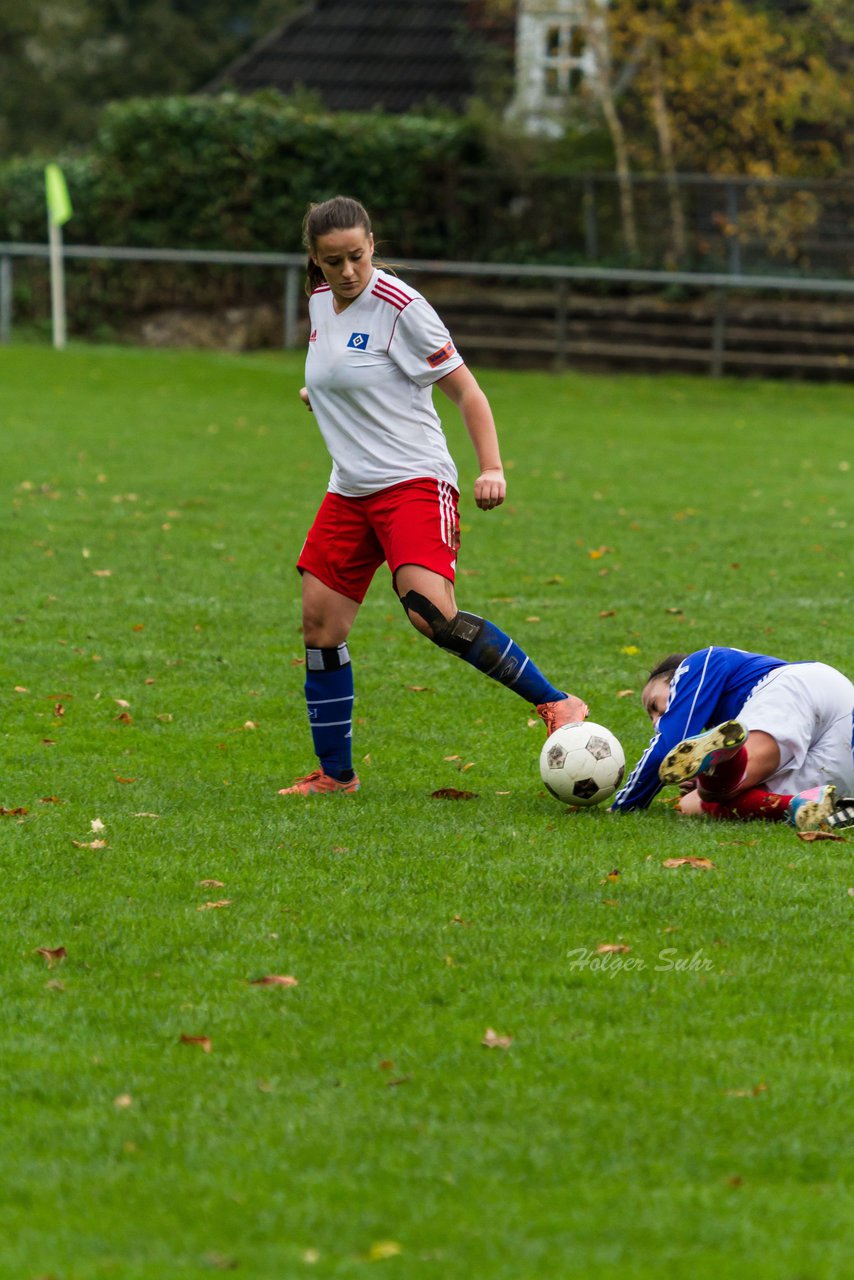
62,62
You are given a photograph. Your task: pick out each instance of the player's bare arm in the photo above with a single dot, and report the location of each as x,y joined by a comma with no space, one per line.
461,387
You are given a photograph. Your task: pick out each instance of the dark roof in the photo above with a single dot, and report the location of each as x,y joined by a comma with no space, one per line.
361,54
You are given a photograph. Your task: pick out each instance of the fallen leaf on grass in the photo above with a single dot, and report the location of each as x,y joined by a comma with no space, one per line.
51,954
50,800
146,815
121,702
419,688
211,884
89,844
54,984
492,1040
19,688
625,693
123,1101
392,1084
276,980
809,836
383,1249
203,1042
221,1261
48,742
746,1093
97,825
13,813
124,781
607,613
102,573
630,649
612,948
451,793
125,717
460,920
212,906
703,864
612,876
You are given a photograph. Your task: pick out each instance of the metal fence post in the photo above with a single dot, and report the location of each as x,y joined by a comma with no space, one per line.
561,291
591,226
733,242
716,366
5,298
291,306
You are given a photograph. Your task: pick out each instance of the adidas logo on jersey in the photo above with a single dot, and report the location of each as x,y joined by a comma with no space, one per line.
313,336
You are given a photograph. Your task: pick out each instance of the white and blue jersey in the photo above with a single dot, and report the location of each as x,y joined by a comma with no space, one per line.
709,686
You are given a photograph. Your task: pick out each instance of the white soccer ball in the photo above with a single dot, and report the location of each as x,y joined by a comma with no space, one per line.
582,763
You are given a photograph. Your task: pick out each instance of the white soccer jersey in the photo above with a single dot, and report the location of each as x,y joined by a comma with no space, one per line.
369,373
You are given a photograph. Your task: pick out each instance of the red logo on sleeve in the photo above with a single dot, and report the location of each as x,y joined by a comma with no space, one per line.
440,356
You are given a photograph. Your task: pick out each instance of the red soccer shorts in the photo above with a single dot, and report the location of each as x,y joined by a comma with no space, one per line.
416,522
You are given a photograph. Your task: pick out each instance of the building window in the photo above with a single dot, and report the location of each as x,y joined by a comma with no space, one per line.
563,59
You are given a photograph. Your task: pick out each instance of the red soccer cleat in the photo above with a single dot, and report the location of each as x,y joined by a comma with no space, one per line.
319,783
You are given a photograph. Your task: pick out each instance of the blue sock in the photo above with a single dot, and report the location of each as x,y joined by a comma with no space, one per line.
503,660
329,700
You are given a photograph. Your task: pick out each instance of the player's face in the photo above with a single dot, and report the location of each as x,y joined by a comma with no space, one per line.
654,698
346,260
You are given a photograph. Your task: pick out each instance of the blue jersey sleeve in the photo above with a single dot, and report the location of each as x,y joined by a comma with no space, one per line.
695,692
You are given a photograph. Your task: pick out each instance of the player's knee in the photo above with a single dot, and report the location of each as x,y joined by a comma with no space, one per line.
456,634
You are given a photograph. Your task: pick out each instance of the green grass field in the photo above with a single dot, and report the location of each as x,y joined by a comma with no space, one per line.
650,1120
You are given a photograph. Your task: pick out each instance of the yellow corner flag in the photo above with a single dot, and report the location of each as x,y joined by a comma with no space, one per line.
58,202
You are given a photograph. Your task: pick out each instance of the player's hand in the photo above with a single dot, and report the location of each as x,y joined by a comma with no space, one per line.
490,489
303,395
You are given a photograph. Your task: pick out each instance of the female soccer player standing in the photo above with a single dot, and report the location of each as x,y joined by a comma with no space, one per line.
376,349
779,746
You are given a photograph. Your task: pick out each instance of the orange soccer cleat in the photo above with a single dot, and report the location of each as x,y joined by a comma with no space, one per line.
568,710
320,783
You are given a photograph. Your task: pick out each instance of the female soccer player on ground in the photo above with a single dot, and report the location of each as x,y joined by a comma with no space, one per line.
375,351
781,745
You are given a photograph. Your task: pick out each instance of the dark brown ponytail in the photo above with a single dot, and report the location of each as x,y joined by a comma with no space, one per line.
667,667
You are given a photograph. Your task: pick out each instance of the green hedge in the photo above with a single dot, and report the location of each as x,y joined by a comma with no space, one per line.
233,172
